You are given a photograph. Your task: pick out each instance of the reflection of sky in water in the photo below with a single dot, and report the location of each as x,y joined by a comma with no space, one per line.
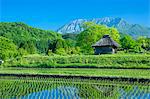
135,93
57,93
70,92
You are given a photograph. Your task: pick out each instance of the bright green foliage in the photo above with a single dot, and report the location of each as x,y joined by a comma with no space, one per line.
32,40
127,42
60,43
28,38
22,52
144,43
56,44
64,47
147,44
70,42
73,50
7,48
28,46
92,34
60,51
101,30
139,45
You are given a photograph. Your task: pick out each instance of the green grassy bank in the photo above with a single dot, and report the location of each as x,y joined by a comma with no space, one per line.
134,73
81,61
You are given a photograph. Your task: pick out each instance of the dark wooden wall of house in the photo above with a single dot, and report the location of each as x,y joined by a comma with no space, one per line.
104,50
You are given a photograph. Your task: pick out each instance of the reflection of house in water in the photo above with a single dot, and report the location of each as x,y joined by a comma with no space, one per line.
105,45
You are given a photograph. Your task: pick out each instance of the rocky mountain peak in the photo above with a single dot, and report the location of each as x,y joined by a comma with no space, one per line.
123,26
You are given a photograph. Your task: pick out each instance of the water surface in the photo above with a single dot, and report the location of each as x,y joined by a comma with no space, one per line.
55,88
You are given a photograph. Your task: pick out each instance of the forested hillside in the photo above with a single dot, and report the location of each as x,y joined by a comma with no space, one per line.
31,39
18,39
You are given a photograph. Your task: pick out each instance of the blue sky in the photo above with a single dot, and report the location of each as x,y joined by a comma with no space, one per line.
52,14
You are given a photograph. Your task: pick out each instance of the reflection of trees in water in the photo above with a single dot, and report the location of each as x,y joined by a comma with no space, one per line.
82,88
104,91
107,90
20,88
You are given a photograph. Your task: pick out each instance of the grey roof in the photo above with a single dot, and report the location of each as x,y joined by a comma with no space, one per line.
106,41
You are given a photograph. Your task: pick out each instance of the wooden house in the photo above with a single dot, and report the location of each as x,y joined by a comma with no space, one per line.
106,45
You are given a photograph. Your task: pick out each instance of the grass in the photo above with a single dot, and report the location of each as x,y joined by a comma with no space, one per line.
116,65
134,73
82,61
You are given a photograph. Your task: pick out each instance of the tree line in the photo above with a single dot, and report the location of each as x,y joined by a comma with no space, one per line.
18,39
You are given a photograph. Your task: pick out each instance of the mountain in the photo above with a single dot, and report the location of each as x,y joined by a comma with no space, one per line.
123,26
27,37
22,31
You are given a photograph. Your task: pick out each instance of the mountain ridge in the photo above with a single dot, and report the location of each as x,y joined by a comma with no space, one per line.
135,30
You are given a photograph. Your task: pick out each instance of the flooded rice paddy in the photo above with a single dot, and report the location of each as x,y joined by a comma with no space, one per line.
71,88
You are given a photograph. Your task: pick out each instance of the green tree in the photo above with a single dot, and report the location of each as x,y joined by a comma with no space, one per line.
28,46
60,51
22,52
7,49
70,43
144,43
147,44
127,42
56,44
92,33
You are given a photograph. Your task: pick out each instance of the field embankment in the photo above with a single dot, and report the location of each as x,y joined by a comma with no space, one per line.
137,61
91,72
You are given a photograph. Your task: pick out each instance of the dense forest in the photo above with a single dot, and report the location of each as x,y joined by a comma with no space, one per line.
18,39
